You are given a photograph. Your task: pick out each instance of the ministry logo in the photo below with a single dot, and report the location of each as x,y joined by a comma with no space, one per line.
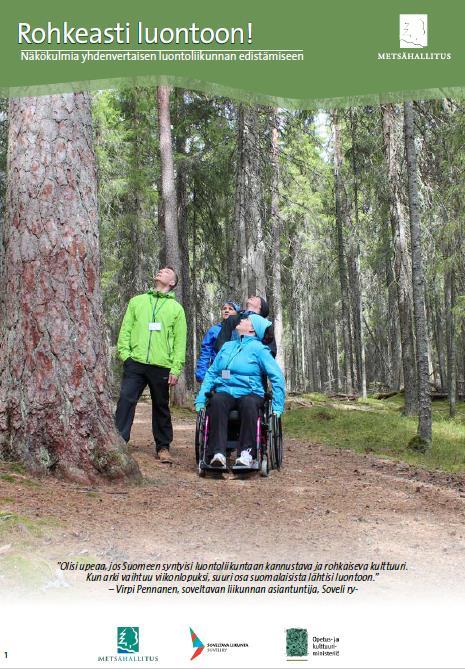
413,31
127,640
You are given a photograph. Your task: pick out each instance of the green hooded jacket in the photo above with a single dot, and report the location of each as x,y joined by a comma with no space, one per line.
164,342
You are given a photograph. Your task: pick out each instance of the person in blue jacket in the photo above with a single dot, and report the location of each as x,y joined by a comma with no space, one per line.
236,376
207,349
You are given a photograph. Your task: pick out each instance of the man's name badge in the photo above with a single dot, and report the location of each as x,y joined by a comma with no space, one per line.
226,373
154,326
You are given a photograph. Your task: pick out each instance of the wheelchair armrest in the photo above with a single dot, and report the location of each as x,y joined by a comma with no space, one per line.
268,395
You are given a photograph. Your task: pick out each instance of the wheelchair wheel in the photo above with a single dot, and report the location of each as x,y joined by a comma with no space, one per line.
270,449
264,469
278,441
199,432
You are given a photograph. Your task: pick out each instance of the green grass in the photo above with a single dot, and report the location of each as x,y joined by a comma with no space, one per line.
27,572
15,472
378,426
13,524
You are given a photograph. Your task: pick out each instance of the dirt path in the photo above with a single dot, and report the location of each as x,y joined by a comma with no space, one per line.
325,503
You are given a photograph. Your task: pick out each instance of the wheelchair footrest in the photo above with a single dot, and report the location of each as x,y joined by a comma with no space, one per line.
243,468
209,468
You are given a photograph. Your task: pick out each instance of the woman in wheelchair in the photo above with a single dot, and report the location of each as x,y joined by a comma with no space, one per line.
237,377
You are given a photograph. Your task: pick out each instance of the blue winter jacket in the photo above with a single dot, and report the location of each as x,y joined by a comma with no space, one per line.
247,359
207,352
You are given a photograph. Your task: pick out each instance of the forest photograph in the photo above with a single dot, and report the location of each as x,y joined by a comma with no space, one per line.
337,233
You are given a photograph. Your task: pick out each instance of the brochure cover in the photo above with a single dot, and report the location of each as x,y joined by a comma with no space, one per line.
232,334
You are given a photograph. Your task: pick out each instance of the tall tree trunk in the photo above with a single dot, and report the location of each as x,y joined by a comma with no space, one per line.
133,279
354,273
55,412
340,222
394,347
418,282
168,190
183,228
449,300
391,131
256,275
276,239
239,209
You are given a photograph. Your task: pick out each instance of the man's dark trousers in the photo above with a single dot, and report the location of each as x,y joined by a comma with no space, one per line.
136,376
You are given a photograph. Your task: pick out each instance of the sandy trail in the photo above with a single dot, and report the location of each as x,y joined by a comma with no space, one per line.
324,504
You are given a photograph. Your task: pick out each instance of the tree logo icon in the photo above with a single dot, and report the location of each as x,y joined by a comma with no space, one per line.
413,31
128,640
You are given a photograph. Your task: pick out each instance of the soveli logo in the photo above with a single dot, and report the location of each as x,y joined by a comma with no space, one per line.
216,647
196,643
413,31
127,640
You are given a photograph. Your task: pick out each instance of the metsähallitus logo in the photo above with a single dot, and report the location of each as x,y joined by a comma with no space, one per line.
413,31
413,34
127,640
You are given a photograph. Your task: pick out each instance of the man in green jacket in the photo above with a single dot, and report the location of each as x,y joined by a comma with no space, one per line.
152,345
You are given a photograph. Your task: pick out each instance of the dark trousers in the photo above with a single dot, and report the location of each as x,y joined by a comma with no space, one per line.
219,407
136,376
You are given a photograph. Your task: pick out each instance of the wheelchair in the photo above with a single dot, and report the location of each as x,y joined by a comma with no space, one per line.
269,441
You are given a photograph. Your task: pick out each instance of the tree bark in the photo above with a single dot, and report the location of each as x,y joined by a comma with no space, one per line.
449,295
354,273
55,412
183,227
240,245
401,259
170,213
340,221
424,391
256,275
276,240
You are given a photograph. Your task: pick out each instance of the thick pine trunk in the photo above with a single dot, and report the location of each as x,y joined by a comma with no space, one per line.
392,139
55,414
424,391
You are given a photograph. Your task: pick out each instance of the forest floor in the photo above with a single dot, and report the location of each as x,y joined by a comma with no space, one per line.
325,503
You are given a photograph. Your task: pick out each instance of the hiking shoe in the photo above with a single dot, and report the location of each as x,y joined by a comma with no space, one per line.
164,456
218,460
245,459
